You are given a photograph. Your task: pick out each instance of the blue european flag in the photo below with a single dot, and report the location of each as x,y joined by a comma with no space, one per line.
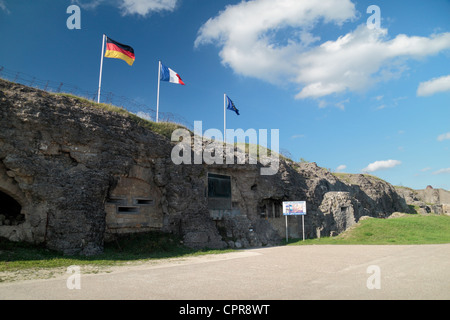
231,106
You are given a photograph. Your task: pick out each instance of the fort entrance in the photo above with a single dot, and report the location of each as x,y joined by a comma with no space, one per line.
10,210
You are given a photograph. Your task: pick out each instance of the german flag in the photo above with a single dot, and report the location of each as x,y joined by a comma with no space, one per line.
117,50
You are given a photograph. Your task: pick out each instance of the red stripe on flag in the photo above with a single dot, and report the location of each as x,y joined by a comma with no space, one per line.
181,81
113,47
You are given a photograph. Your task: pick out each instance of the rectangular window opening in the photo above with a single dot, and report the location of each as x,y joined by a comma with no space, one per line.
219,192
144,201
219,186
116,201
127,209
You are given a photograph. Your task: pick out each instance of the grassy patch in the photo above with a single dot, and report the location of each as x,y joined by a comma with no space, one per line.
413,209
163,128
412,229
138,247
255,150
346,177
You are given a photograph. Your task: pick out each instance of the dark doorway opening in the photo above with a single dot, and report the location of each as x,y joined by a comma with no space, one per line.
10,211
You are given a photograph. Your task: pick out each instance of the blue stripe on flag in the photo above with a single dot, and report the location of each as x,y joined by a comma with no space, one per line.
164,73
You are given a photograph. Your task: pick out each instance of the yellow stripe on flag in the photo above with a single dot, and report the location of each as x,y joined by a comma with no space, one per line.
119,55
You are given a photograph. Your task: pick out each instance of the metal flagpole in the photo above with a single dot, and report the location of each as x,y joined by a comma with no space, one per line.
224,116
101,70
159,81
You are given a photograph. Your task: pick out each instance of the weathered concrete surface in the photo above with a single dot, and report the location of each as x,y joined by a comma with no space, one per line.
83,173
281,273
428,200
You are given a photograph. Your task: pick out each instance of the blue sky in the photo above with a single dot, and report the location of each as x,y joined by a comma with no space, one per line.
348,97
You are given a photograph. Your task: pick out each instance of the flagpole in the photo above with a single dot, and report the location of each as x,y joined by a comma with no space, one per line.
159,82
101,70
224,117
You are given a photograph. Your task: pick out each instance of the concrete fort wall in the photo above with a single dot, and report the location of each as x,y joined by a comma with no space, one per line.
81,175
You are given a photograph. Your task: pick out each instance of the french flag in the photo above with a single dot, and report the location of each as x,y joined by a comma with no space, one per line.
167,74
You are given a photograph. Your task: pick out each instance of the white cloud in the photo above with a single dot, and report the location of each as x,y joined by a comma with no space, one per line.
341,104
444,136
442,171
143,7
273,41
88,4
247,31
341,168
433,86
381,165
129,7
359,59
3,7
322,104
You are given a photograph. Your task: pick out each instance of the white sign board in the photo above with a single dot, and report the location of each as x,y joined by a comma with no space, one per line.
294,208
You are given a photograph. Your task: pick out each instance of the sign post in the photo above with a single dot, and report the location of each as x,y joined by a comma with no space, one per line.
294,208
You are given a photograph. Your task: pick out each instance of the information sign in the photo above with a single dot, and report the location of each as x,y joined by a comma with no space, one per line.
294,208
